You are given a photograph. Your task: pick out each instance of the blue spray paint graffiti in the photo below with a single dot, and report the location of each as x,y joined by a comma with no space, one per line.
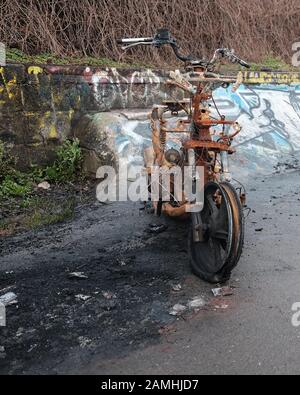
269,114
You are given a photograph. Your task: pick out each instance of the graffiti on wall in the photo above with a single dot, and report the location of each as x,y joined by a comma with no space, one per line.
269,114
51,100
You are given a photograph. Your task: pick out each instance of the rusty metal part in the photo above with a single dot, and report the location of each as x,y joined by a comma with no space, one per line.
156,119
174,211
198,125
237,218
243,199
209,145
176,106
173,156
212,122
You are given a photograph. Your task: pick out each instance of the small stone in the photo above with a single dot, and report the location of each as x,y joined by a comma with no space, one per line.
44,185
196,303
178,309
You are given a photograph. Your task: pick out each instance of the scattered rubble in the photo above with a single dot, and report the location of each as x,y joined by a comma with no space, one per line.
196,303
223,291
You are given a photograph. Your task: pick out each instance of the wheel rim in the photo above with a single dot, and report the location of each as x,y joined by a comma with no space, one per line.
211,255
238,224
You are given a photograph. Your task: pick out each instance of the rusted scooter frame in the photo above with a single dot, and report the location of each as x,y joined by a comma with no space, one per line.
217,232
198,125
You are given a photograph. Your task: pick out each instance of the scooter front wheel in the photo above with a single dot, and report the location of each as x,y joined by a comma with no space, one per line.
214,255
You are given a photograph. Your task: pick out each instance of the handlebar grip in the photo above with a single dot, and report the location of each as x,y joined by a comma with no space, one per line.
244,64
135,40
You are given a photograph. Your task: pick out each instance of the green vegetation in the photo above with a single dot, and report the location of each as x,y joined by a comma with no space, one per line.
41,217
23,205
66,168
17,56
272,62
36,211
12,182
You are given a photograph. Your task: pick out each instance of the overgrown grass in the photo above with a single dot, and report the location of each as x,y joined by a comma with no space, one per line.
66,168
24,206
12,182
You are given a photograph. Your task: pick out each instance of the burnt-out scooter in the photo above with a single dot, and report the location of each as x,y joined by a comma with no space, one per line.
216,236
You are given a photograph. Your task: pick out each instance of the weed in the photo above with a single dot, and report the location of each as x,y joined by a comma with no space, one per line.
272,62
67,165
39,217
66,168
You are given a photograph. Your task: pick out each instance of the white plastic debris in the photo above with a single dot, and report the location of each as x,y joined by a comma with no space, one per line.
178,309
196,303
44,185
224,291
82,297
78,275
8,298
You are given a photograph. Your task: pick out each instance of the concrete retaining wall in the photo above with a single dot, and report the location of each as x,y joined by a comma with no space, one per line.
107,110
41,106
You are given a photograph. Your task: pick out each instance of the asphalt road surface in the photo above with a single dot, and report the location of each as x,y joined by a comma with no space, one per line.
117,321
